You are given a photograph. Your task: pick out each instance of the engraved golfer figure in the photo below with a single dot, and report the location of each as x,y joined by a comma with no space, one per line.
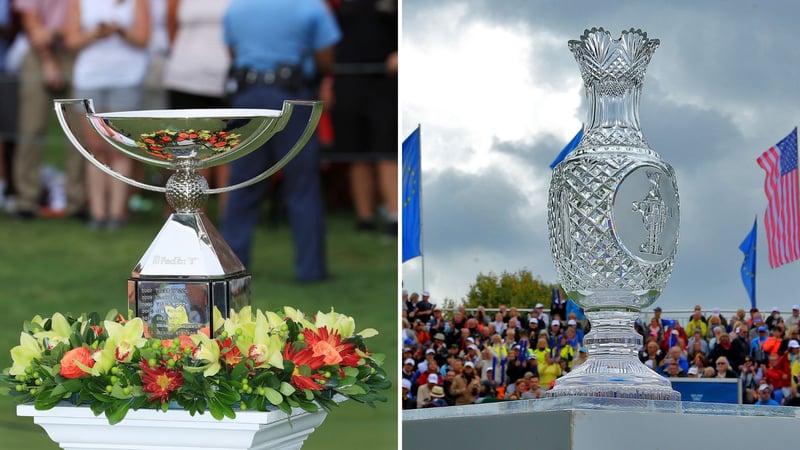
654,215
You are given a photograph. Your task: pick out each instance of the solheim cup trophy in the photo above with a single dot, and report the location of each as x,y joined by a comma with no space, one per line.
188,270
613,220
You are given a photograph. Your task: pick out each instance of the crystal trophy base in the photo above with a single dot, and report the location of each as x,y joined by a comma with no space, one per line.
613,368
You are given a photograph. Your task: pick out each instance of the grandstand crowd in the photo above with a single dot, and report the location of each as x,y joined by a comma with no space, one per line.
475,356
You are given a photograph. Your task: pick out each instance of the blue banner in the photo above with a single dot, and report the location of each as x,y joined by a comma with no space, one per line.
708,390
748,247
411,236
570,147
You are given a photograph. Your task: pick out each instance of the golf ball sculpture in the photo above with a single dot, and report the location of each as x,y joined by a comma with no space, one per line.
613,216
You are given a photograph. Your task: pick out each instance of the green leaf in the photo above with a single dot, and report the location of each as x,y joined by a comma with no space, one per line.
117,411
351,390
286,388
273,396
351,372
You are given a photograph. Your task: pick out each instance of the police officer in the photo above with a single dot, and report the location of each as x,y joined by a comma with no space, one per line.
279,48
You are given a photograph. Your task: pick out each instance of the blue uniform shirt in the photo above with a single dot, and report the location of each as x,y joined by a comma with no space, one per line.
264,34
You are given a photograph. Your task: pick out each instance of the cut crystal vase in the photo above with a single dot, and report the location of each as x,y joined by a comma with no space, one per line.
613,215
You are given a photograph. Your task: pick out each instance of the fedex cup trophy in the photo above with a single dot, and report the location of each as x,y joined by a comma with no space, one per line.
188,271
613,220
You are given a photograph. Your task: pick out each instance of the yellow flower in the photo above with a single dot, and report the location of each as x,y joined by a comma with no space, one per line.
207,350
122,340
23,354
59,331
334,321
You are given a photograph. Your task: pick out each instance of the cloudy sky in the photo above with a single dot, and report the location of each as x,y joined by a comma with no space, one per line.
498,94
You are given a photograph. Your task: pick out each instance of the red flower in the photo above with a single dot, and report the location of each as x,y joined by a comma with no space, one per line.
306,358
97,330
71,370
160,381
331,347
229,352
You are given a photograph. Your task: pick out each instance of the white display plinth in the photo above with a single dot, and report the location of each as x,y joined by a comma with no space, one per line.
584,423
77,428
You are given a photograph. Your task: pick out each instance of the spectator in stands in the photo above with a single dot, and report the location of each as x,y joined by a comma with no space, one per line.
517,366
558,306
581,357
652,355
750,376
724,369
481,317
422,376
729,350
449,398
794,318
655,330
424,308
708,372
773,318
772,345
437,322
792,399
407,400
697,344
693,372
437,398
674,355
741,339
409,369
466,386
549,370
510,339
721,320
498,348
674,370
424,391
765,396
778,375
422,334
700,362
697,321
542,316
498,325
756,346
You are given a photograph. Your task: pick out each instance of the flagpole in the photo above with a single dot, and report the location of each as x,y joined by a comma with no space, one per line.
421,222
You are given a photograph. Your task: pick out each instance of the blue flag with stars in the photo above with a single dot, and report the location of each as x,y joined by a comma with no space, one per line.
748,247
411,193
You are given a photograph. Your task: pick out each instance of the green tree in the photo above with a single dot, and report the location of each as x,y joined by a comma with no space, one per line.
520,289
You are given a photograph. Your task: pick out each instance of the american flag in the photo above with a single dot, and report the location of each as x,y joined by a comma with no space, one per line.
781,187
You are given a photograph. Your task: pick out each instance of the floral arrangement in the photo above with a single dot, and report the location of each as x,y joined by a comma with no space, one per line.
257,360
157,143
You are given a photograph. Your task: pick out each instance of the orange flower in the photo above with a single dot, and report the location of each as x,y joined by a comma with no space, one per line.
229,352
69,368
331,347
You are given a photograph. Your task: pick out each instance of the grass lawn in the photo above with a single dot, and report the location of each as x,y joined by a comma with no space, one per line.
50,265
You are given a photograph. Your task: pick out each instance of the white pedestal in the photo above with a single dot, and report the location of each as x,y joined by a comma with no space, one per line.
583,423
77,428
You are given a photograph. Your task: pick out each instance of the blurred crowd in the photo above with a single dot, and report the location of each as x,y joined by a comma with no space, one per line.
156,54
472,356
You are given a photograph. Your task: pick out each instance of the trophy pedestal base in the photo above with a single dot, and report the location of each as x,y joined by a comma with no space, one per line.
614,376
77,428
593,423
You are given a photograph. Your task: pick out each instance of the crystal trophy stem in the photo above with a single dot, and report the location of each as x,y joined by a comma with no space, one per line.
613,216
189,271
